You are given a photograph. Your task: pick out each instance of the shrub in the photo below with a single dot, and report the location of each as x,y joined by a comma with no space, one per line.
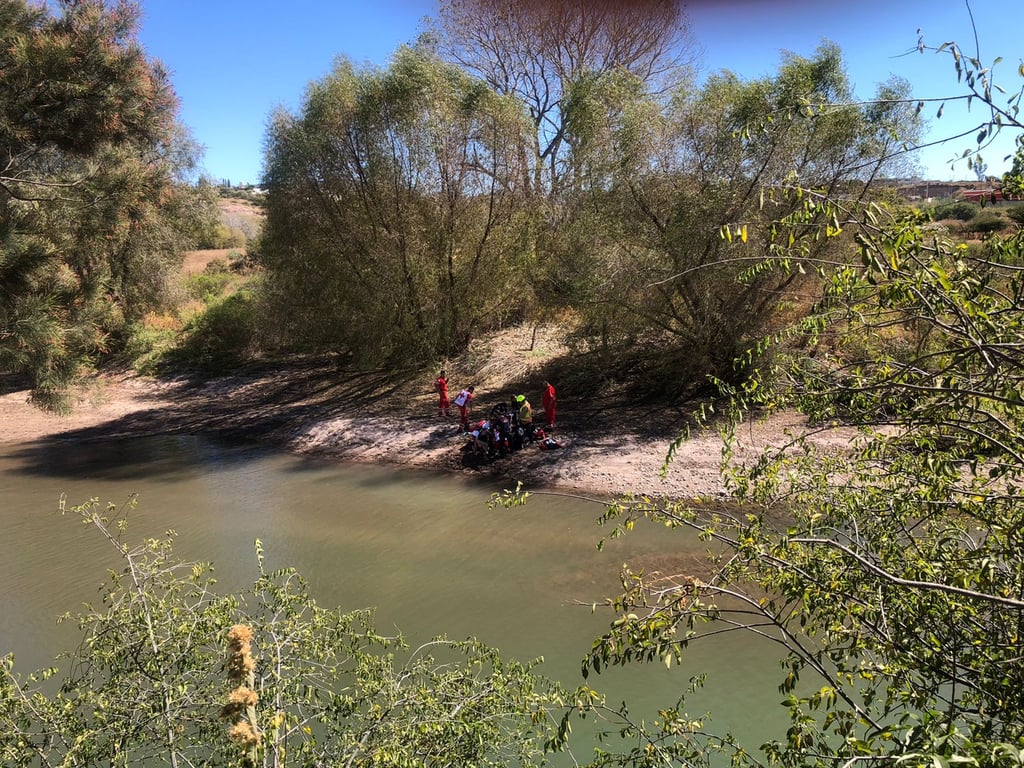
986,223
212,283
223,335
229,237
960,210
1016,212
207,288
145,345
217,266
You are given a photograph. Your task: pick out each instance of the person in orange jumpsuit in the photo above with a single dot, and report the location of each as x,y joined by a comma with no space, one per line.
548,401
441,385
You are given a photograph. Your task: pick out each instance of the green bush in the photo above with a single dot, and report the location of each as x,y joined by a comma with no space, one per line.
229,237
222,335
145,346
1016,212
986,223
960,210
207,288
218,266
211,283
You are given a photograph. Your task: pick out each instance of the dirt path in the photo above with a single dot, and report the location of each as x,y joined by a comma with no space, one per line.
307,407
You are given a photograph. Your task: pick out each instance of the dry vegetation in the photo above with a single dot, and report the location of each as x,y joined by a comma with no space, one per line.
614,440
234,214
197,261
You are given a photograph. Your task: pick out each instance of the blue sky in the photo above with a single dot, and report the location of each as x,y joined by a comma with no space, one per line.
234,61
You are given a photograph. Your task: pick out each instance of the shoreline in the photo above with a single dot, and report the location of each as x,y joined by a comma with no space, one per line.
601,462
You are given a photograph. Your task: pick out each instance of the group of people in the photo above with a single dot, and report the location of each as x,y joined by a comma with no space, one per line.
508,427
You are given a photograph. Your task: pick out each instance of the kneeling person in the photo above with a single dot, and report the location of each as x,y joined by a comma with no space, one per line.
525,414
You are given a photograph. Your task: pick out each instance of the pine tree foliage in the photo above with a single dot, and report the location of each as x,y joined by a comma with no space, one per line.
90,191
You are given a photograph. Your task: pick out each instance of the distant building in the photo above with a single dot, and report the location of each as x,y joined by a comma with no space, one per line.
933,190
928,191
991,195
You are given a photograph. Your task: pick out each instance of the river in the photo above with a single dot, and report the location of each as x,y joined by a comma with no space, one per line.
421,548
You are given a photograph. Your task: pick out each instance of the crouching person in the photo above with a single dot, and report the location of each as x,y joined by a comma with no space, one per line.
480,438
525,417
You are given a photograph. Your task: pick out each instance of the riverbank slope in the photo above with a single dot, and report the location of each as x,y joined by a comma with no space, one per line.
310,405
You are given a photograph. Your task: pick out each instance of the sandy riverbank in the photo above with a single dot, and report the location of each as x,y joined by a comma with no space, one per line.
301,410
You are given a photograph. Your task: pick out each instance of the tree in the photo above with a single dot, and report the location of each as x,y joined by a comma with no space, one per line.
1000,108
1016,213
887,572
1013,180
92,192
295,683
985,223
394,226
536,50
208,230
684,201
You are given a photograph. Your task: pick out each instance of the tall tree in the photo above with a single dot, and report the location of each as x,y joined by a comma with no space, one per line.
682,201
536,49
886,570
92,161
394,228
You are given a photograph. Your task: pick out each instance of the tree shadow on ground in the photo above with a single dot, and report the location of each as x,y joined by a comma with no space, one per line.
273,401
258,402
600,395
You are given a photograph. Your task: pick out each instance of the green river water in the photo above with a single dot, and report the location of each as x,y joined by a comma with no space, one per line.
423,549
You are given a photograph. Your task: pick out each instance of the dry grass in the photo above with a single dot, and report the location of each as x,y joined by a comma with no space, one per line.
196,261
234,214
503,360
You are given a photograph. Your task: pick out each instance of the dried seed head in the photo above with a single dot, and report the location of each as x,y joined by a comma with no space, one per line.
242,732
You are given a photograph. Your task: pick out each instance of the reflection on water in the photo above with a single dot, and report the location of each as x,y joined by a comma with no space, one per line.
423,549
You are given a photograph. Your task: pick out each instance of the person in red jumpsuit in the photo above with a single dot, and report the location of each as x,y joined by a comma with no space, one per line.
548,401
443,406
